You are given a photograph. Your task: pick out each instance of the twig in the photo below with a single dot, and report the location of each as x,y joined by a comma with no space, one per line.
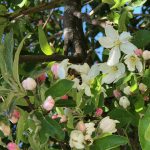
29,103
92,12
48,18
87,18
54,57
41,7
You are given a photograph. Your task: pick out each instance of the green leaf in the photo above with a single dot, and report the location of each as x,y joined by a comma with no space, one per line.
109,142
45,47
9,46
134,84
138,3
65,103
122,21
60,88
119,3
123,116
139,104
21,127
49,127
6,104
24,2
35,145
108,1
141,38
16,61
144,130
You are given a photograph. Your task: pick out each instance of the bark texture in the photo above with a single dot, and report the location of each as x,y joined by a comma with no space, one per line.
74,39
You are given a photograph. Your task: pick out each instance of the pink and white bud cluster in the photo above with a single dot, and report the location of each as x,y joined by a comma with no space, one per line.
12,146
29,84
49,103
15,115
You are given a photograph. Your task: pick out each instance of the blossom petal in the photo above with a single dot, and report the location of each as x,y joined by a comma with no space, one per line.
114,56
104,68
94,71
88,91
109,78
128,48
139,66
111,32
130,65
121,68
61,72
106,42
124,37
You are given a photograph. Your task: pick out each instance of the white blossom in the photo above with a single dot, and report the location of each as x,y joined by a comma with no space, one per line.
108,125
133,62
112,73
76,139
117,43
90,128
124,102
86,79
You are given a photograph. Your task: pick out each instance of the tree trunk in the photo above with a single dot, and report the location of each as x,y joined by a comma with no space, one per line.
74,39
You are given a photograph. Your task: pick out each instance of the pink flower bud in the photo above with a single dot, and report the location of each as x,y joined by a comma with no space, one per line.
117,93
54,117
99,112
29,84
81,126
138,52
146,98
54,70
40,22
15,116
12,146
48,103
41,78
65,97
63,118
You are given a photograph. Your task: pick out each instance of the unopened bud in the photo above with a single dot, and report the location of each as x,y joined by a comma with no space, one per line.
146,55
48,103
29,84
99,112
117,93
81,126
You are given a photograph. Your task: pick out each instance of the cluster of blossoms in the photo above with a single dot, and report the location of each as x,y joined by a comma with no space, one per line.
82,136
111,71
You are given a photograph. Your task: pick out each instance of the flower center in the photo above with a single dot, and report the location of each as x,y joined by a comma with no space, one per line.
117,43
114,68
133,59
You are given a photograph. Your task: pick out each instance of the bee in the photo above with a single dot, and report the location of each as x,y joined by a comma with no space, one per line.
74,74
